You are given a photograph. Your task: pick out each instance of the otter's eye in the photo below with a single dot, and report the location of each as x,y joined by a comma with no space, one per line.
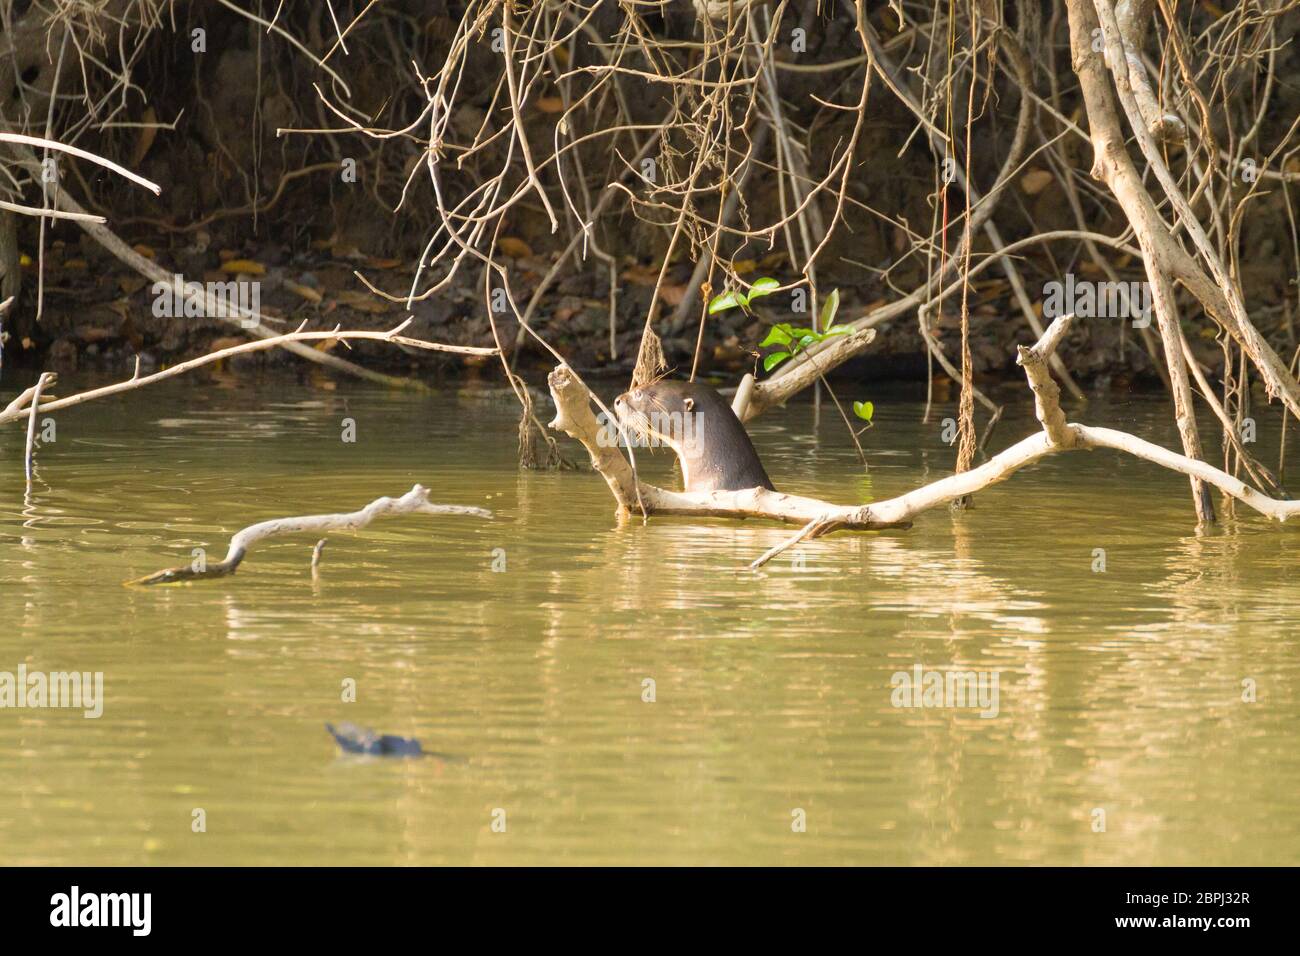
636,396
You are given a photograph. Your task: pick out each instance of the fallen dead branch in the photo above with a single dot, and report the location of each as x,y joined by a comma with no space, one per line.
15,409
575,418
252,323
754,397
415,501
155,273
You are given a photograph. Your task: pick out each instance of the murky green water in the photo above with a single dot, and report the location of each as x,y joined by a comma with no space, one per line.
1119,691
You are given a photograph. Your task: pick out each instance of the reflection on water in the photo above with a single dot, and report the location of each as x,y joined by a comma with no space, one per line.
1119,691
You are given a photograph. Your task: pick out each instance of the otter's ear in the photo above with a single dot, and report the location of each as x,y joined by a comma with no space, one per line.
688,402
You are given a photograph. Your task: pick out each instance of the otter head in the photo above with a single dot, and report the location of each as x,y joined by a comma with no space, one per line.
699,426
667,413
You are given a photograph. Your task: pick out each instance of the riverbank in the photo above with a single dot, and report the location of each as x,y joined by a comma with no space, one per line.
99,316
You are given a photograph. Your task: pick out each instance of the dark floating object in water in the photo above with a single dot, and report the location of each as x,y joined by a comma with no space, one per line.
361,740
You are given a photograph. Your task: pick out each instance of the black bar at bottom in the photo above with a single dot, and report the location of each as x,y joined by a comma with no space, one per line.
330,905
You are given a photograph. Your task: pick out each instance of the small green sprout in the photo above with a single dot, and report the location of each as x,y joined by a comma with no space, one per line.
789,339
735,297
792,340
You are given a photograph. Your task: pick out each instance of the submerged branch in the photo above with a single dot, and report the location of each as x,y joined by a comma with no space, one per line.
45,378
415,501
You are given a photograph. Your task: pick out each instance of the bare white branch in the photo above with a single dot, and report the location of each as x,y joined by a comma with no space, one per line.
415,501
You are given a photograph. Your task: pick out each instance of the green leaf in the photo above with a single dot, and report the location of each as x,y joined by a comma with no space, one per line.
725,301
800,333
773,360
829,308
806,340
864,410
763,287
777,335
838,330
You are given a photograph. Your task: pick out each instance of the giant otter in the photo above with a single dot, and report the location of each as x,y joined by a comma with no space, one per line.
697,423
362,740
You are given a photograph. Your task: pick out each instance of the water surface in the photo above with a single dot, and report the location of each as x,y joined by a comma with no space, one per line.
1119,690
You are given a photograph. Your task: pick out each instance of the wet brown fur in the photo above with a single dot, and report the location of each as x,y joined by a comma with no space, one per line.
726,459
